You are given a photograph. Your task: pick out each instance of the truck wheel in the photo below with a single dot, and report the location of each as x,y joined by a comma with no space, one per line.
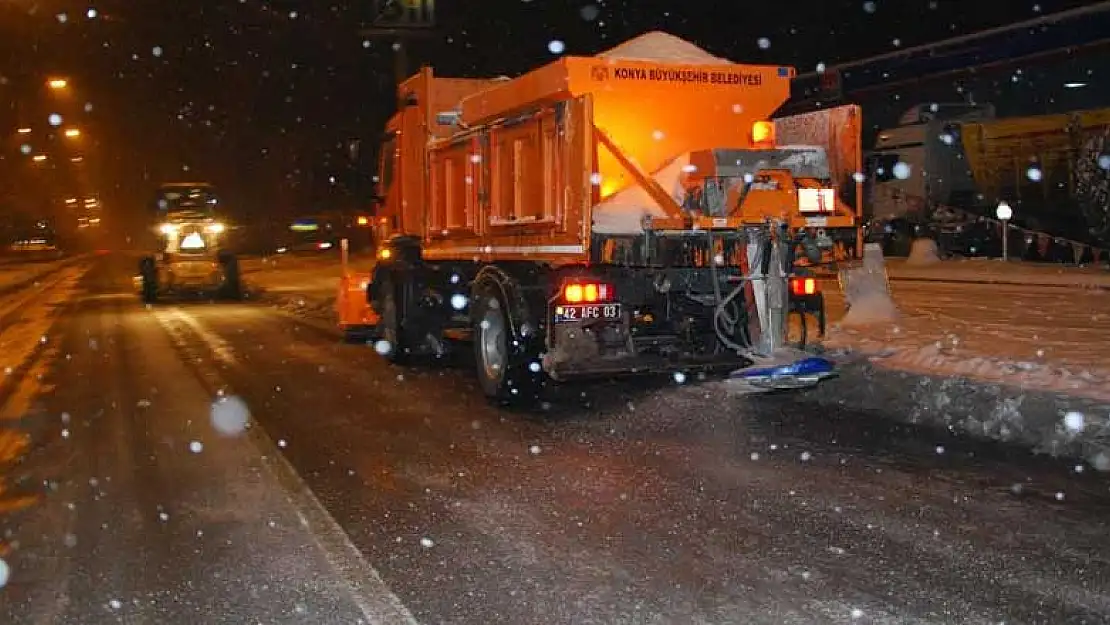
232,287
506,373
390,325
148,272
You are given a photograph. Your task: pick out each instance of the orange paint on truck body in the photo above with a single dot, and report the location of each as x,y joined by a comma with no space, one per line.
519,173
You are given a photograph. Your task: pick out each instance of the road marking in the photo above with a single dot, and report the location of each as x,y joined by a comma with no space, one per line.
221,350
378,604
370,592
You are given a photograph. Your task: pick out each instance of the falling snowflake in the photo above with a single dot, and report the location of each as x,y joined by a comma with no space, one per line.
1075,421
229,416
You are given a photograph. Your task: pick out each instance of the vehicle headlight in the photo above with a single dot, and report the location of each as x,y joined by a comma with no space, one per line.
167,229
216,228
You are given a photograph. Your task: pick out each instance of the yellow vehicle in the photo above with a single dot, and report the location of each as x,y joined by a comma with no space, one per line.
190,256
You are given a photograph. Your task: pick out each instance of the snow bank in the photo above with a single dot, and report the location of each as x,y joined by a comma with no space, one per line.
992,360
923,252
1046,422
661,46
992,271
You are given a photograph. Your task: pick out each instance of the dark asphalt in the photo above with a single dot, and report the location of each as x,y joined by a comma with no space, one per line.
621,503
132,508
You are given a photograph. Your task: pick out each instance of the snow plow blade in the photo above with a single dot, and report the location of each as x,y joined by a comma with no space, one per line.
803,373
354,315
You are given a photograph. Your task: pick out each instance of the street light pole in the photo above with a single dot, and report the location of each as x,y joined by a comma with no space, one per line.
1004,213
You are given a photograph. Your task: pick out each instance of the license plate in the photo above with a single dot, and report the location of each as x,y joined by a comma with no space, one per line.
587,312
817,222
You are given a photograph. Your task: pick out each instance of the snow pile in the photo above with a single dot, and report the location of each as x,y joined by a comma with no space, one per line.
660,46
923,252
867,292
872,308
624,212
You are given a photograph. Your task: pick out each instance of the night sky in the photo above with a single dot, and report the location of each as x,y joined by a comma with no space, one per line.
261,97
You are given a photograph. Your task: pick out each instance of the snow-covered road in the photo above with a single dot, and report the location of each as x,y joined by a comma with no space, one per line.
1045,338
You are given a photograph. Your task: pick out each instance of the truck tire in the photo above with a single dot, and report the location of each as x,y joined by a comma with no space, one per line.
391,325
508,372
148,272
232,287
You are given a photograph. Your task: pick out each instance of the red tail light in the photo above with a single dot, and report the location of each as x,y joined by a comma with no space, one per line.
802,287
586,292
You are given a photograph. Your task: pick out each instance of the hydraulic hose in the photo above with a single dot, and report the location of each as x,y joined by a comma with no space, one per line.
722,312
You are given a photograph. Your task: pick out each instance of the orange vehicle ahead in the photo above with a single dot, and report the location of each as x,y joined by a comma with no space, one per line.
595,216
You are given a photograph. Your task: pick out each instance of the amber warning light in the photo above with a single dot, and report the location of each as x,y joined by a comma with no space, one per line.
763,134
587,293
803,287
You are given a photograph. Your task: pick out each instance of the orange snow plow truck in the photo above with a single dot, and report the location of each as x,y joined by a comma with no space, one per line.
626,213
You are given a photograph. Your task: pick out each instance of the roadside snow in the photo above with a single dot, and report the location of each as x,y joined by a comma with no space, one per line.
996,271
1047,339
27,316
923,252
16,273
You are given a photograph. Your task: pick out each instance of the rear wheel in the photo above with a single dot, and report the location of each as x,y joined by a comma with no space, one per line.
390,326
232,287
148,272
508,371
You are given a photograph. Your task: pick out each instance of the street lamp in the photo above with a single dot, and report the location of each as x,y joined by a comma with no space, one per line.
58,83
1004,213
